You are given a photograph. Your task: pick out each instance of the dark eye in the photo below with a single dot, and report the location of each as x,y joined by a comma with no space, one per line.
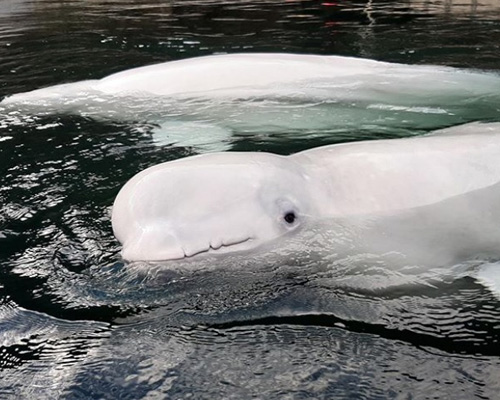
290,217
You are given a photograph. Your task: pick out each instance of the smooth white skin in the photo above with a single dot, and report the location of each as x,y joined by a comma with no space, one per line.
226,202
216,74
250,74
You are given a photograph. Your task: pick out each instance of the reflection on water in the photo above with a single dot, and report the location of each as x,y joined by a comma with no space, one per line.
75,322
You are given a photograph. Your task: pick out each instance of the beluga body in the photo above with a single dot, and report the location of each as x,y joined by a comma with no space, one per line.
207,102
434,198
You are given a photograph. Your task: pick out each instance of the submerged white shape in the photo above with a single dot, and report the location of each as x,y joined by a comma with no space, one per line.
203,136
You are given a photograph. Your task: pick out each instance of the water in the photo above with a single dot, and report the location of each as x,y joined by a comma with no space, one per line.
76,322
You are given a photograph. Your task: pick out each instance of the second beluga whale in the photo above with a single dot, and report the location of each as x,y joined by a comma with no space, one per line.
207,102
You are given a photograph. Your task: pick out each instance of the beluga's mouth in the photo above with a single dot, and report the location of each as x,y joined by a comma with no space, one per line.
214,247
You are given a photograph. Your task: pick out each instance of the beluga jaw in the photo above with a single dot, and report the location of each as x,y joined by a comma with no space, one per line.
210,204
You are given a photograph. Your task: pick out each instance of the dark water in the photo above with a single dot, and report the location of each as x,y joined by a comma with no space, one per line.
75,322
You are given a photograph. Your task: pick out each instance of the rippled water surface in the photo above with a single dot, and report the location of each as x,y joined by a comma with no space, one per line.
77,322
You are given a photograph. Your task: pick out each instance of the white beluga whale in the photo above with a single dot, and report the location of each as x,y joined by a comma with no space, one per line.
207,102
231,201
251,74
433,199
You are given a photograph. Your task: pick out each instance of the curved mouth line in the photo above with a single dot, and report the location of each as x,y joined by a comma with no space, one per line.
210,247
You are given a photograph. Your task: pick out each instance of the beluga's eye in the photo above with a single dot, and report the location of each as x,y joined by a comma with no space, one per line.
290,217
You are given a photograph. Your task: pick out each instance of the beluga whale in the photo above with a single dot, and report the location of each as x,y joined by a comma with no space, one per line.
433,198
225,202
208,102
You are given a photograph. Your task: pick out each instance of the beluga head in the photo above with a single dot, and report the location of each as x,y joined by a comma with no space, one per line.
212,203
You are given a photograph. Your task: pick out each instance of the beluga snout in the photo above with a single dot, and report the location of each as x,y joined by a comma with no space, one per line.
212,203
